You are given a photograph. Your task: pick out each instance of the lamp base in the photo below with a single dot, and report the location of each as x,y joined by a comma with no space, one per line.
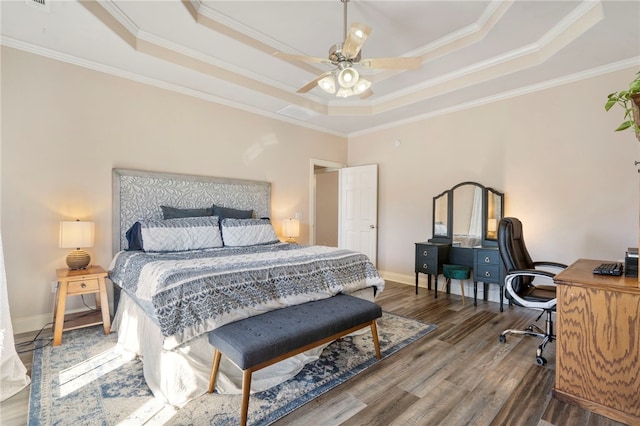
78,259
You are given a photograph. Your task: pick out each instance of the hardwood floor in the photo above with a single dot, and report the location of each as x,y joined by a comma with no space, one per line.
458,374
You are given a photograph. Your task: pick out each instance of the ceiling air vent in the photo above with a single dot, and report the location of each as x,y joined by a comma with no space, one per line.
297,112
44,5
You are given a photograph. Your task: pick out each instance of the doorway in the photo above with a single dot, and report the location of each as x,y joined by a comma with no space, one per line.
323,209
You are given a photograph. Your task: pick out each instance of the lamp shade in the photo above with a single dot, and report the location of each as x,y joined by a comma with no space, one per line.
348,77
77,234
328,84
291,228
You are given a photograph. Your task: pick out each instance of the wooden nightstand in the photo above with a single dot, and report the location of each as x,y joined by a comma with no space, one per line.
75,283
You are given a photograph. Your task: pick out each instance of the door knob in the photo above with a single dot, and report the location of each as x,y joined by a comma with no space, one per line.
372,226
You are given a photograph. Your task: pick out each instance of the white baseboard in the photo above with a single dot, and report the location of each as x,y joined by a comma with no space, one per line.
37,322
33,323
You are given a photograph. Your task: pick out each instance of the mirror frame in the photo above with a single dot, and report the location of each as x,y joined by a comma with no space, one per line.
487,240
440,237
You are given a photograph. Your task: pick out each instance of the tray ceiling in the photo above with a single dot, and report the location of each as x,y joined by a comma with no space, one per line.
472,52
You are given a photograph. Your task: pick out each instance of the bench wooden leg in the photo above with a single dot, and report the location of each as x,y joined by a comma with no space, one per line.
246,390
376,343
214,370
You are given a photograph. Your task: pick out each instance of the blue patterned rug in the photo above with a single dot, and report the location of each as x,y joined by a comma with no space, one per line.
88,381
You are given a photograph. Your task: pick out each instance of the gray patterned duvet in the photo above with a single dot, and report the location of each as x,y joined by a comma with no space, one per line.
191,293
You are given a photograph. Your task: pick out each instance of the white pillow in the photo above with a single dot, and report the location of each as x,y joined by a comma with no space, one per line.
247,232
182,234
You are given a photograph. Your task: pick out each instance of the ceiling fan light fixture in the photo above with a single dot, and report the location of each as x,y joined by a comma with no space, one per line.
345,92
348,77
328,84
361,86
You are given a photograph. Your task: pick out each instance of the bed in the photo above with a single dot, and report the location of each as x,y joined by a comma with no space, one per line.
193,253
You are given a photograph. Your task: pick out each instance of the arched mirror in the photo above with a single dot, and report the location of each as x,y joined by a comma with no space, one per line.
441,215
467,215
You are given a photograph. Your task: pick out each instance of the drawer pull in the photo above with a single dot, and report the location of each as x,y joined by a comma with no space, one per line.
83,285
425,266
487,260
425,253
487,274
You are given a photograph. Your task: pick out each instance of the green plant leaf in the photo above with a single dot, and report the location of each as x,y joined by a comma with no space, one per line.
609,104
624,126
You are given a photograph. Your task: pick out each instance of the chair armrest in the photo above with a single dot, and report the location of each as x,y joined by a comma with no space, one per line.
532,273
551,264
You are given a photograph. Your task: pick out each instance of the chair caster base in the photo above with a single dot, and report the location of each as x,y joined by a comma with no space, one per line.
503,338
540,360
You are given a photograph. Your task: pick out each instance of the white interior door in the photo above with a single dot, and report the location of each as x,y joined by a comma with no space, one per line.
358,210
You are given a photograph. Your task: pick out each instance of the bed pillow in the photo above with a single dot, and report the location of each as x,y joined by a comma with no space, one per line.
174,212
247,232
180,234
224,212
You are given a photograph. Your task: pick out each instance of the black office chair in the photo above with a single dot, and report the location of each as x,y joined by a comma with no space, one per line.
519,282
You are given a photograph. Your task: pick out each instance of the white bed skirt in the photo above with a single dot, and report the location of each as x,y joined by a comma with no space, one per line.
179,375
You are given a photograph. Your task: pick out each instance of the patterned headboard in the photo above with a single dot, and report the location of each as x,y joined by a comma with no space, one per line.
138,195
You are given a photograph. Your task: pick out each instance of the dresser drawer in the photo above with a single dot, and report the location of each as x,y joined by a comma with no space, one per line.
487,257
90,285
488,266
487,274
430,257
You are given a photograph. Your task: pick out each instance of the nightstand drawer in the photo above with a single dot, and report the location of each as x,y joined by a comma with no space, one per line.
90,285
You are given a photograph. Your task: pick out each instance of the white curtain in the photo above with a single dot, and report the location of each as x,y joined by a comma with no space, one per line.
13,377
475,224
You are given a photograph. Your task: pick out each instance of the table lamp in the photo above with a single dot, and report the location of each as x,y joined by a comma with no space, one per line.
492,228
291,229
77,234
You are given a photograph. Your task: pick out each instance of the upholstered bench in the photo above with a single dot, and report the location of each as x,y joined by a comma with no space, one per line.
257,342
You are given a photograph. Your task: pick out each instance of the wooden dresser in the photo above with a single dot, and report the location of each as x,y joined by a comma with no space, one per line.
598,342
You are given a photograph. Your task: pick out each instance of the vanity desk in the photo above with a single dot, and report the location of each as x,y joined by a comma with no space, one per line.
465,220
484,262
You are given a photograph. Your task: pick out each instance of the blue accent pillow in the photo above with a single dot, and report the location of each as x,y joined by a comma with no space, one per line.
223,212
175,212
134,237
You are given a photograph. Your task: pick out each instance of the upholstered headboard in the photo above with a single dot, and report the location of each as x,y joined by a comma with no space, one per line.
138,195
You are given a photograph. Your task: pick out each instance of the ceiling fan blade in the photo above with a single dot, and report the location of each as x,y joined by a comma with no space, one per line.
366,94
409,63
290,57
356,37
313,83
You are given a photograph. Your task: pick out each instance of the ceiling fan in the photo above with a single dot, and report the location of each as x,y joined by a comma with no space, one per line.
344,80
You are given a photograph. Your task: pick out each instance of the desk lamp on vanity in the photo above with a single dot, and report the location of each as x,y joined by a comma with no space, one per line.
464,233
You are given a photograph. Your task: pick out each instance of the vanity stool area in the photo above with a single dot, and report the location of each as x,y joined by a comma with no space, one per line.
464,227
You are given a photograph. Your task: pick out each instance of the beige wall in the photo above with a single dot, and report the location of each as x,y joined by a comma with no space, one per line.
65,128
564,172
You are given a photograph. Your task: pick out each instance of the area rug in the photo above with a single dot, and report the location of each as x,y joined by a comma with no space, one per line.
89,381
